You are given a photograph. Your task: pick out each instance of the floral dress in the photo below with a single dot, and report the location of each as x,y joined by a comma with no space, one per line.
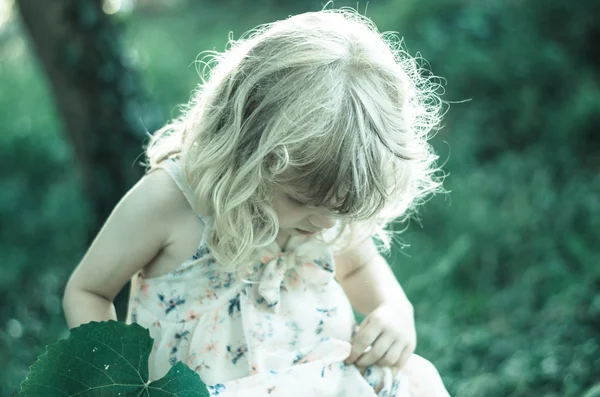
281,328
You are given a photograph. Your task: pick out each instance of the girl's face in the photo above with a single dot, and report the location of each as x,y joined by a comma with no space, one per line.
296,218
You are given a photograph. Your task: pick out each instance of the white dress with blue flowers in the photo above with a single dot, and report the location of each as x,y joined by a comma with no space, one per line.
283,328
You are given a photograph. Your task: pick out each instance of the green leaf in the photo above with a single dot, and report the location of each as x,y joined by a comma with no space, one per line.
106,359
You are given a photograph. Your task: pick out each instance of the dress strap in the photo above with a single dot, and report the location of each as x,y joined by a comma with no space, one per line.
174,167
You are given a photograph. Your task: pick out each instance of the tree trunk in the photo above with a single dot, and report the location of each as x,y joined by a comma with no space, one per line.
98,96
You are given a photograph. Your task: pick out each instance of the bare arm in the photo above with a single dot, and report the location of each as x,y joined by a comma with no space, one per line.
81,307
368,280
137,230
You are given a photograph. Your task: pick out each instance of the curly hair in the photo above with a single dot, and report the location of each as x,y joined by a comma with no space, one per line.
320,101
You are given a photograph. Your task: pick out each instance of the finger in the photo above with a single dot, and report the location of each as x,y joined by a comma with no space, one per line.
378,349
362,370
392,356
406,353
364,337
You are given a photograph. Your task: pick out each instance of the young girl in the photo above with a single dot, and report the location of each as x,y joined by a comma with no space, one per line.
248,242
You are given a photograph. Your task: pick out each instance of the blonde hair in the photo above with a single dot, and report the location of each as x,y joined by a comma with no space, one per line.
321,101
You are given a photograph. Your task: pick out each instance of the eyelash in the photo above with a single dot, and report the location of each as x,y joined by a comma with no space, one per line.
301,204
295,201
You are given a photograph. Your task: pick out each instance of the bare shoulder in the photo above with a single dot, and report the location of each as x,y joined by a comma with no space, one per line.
141,225
355,256
156,194
157,206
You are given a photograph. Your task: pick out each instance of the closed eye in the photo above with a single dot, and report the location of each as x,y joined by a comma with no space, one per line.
332,212
295,201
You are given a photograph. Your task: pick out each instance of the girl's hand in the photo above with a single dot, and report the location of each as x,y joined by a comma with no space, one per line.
390,332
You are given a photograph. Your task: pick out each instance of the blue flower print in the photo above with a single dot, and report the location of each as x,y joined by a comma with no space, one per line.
217,389
171,303
328,312
173,355
296,329
234,304
182,335
319,327
236,354
299,357
202,251
325,265
218,280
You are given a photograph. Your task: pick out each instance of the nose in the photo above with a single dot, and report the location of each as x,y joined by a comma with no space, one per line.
322,221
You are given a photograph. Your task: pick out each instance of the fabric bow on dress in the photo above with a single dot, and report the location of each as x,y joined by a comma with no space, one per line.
312,263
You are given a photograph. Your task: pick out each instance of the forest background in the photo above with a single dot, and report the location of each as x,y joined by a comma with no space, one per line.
503,271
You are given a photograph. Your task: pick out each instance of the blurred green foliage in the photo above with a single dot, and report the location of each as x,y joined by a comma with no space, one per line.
504,271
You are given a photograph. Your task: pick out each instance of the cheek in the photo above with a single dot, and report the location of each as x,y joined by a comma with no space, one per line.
289,217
